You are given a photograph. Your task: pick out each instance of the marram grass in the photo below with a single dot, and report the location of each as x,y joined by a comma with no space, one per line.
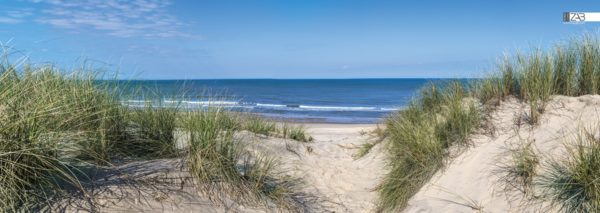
55,126
49,123
52,123
572,184
419,138
521,169
258,125
262,126
295,132
223,167
441,116
150,132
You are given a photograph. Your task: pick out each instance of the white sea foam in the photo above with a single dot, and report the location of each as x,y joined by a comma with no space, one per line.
337,108
271,105
236,104
136,101
217,103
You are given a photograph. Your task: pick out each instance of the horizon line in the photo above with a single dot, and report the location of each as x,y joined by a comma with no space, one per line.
187,79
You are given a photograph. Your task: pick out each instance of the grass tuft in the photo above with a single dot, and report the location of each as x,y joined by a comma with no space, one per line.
376,136
536,83
150,132
223,168
58,129
258,125
419,138
50,124
364,149
521,169
295,132
443,116
573,184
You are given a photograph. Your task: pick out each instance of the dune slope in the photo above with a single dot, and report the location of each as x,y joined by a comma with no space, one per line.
471,181
333,181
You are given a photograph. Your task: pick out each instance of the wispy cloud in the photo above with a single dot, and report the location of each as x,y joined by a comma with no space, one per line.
120,18
15,16
9,20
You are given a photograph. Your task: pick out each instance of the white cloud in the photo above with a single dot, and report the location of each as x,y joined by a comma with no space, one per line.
15,16
9,20
120,18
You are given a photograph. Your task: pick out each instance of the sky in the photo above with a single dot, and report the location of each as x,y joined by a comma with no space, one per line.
224,39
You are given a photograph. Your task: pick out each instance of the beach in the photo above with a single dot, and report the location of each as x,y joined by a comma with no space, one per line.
299,106
329,167
524,139
334,179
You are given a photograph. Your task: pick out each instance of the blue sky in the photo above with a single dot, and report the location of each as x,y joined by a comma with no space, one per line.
171,39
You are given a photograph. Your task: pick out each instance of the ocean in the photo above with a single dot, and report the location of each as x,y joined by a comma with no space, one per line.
306,100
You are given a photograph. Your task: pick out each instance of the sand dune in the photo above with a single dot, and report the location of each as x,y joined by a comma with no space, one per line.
471,181
336,182
333,180
342,183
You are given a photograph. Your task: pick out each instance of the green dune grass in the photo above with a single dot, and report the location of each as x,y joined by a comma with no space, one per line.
572,183
418,139
56,127
443,116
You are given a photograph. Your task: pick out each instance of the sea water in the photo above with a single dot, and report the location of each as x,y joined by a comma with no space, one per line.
300,100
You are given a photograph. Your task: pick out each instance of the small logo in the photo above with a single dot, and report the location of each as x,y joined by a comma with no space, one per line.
580,17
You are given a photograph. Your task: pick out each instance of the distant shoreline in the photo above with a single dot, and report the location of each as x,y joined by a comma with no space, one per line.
315,100
311,121
286,79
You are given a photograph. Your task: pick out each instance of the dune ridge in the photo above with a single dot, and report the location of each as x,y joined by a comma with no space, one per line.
472,180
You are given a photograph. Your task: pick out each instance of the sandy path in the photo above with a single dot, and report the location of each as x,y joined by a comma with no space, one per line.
342,183
333,179
337,174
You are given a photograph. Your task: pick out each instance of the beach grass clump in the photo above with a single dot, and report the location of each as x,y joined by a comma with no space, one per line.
213,153
258,125
262,126
66,104
295,132
536,82
441,117
376,136
150,132
497,86
419,138
521,169
589,57
489,90
268,184
414,155
49,124
565,70
460,116
508,80
222,166
570,68
364,149
57,127
430,97
573,184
